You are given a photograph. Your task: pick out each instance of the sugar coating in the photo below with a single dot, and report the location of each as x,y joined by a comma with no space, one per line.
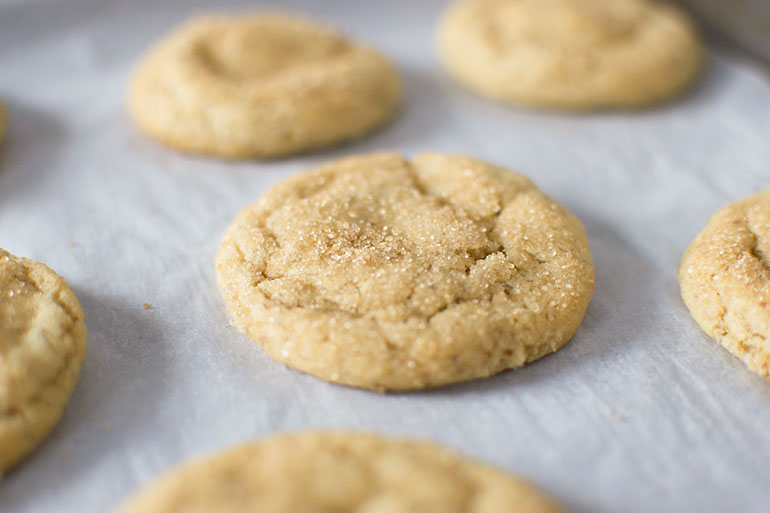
725,280
333,472
260,85
573,54
42,345
377,272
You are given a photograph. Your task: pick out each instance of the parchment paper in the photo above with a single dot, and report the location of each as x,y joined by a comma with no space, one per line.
641,412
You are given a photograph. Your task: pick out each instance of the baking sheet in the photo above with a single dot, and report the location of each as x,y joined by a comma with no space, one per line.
639,413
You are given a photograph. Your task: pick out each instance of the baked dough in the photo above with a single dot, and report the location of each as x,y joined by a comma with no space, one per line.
725,280
379,272
42,344
261,85
335,472
570,54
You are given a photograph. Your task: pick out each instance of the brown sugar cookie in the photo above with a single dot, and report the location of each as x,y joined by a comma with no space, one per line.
260,85
334,472
570,54
42,345
384,273
725,280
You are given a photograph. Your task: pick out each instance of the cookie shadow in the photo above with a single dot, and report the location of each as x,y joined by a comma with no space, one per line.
626,291
122,379
33,142
710,81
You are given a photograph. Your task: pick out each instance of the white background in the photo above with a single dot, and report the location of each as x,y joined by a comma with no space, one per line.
641,412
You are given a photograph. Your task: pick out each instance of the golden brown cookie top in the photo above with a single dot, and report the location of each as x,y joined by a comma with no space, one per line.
260,85
570,53
328,472
568,25
42,343
399,267
735,245
261,47
401,240
725,279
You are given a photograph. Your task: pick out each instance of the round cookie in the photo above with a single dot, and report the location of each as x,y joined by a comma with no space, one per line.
331,472
383,273
570,54
262,85
725,280
42,343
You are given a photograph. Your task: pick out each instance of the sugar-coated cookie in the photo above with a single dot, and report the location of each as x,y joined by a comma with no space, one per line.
384,273
335,472
725,280
570,54
260,85
42,344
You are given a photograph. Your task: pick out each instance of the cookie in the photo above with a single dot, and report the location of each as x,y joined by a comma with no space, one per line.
725,280
330,472
42,344
261,85
570,54
383,273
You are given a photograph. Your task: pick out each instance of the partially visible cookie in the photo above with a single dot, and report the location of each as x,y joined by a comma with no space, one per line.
334,472
725,280
384,273
260,85
571,54
42,344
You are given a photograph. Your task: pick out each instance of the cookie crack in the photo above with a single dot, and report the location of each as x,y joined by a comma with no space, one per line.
478,256
250,264
489,231
485,225
459,299
420,187
73,317
754,248
723,332
721,323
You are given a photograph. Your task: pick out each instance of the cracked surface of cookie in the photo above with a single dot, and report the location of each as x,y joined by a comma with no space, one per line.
331,472
260,85
42,344
379,272
725,280
572,54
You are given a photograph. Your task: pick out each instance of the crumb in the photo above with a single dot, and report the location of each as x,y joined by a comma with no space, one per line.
147,306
